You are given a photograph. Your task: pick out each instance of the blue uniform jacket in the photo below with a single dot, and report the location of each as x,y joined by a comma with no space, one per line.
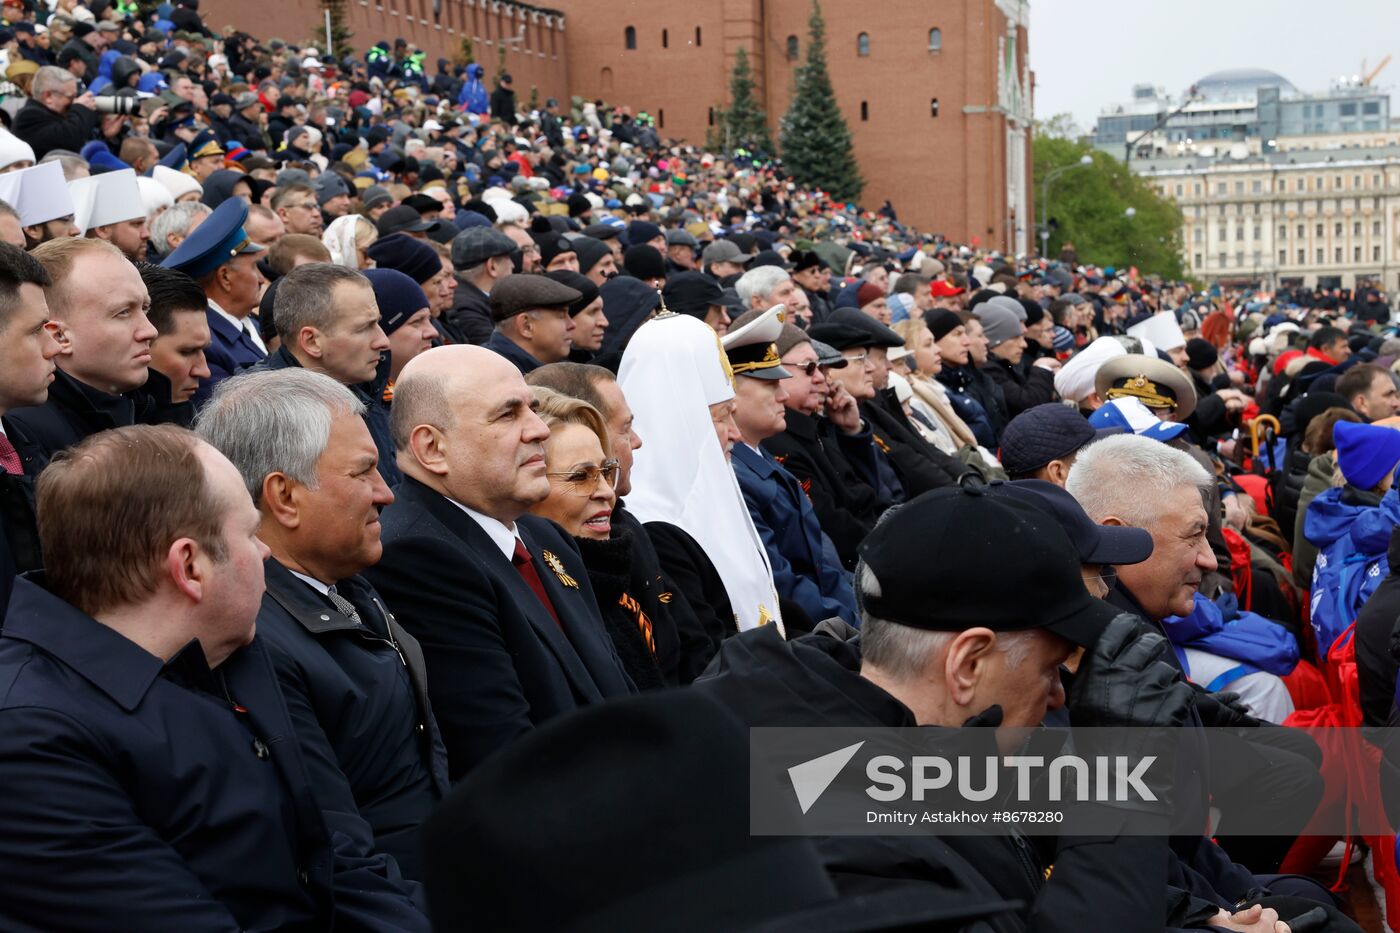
162,795
806,567
230,352
358,696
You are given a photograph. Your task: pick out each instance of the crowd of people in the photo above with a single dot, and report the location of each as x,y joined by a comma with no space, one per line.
409,496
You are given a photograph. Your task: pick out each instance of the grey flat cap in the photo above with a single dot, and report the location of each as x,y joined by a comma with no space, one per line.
528,291
475,245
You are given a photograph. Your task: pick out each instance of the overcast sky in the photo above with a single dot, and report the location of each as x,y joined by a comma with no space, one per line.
1088,53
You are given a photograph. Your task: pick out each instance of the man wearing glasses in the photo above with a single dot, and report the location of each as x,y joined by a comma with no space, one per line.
807,572
297,206
905,462
823,436
56,115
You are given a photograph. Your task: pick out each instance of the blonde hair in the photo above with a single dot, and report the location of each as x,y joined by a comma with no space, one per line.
57,256
556,408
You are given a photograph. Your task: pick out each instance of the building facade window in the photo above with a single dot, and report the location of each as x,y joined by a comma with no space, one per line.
864,111
665,38
933,107
863,44
791,47
697,36
935,40
629,37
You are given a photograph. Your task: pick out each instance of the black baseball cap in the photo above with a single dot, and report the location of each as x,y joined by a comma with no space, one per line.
1043,433
1102,545
958,558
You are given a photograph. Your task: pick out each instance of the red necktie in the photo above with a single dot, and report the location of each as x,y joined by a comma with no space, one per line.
9,457
526,566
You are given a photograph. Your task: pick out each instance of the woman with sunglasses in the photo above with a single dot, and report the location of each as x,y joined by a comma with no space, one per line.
581,471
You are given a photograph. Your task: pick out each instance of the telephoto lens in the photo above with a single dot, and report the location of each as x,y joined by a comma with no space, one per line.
126,106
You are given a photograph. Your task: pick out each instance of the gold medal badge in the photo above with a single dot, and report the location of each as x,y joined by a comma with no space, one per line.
559,571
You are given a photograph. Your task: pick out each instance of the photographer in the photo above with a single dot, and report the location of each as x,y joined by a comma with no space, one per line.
56,116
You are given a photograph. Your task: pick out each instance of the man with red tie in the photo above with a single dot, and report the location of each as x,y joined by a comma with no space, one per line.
27,351
499,600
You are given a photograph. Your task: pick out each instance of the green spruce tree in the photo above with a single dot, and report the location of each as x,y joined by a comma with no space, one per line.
340,33
816,142
744,124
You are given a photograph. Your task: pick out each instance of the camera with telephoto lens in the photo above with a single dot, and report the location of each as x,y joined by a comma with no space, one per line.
125,106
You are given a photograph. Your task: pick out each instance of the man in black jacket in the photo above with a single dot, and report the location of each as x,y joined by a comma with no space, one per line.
915,643
499,599
328,321
1006,344
56,116
97,302
481,257
917,464
27,350
503,101
355,682
846,506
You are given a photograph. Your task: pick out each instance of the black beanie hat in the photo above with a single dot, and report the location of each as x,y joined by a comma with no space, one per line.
941,322
1201,354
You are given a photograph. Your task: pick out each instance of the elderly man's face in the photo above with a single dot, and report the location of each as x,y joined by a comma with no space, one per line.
1166,583
782,294
341,515
806,390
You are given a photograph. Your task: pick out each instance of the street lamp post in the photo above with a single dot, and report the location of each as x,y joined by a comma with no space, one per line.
1050,176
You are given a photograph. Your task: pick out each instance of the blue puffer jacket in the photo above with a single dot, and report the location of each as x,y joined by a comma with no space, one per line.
474,96
1351,529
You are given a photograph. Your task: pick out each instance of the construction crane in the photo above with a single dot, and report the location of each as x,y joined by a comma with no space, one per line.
1368,76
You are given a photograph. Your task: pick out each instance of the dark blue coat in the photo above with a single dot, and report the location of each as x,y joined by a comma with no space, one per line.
162,796
376,414
74,411
806,567
498,664
521,358
358,697
19,534
230,351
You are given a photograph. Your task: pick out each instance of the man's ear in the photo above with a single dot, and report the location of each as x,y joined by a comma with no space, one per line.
428,445
965,663
278,502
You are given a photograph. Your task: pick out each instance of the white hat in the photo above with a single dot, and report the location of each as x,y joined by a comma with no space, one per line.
177,183
1075,380
432,125
109,198
674,369
1162,329
510,212
13,149
154,195
311,63
37,194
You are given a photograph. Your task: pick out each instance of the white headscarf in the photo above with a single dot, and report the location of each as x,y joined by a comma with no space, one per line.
672,371
339,238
